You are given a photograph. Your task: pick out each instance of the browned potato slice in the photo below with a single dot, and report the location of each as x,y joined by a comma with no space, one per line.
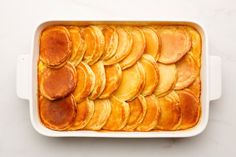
167,80
175,43
100,44
57,114
78,45
85,82
102,111
151,74
55,46
196,45
89,36
137,50
100,80
58,83
95,44
111,42
170,112
113,80
195,87
85,111
152,115
124,46
119,114
143,77
128,89
190,109
152,43
187,72
138,109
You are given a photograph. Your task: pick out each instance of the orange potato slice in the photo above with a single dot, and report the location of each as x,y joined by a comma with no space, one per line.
175,43
55,46
195,87
196,45
138,109
152,115
58,114
102,111
187,72
100,80
78,45
152,43
151,74
85,83
128,90
89,36
58,83
167,79
119,115
137,50
142,74
100,44
95,44
124,46
190,109
85,111
170,117
113,79
111,42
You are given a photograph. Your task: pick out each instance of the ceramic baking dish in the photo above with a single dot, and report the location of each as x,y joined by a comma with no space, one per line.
27,84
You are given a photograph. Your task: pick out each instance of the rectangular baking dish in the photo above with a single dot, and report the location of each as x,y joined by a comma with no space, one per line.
26,83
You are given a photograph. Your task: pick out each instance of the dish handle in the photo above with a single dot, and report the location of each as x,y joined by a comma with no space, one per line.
215,77
22,76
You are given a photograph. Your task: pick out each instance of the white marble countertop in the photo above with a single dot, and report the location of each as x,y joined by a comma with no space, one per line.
18,19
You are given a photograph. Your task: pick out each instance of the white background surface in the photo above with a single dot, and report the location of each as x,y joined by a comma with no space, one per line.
18,19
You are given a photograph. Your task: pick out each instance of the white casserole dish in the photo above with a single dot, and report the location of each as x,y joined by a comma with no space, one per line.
27,85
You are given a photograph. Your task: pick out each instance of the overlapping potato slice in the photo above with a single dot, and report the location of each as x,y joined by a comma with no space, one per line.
137,50
95,44
58,83
190,109
152,115
111,42
187,72
85,111
153,44
143,77
124,46
57,114
78,45
100,80
131,83
170,112
195,87
151,74
85,82
119,114
175,43
102,111
113,80
196,45
55,46
138,109
167,79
